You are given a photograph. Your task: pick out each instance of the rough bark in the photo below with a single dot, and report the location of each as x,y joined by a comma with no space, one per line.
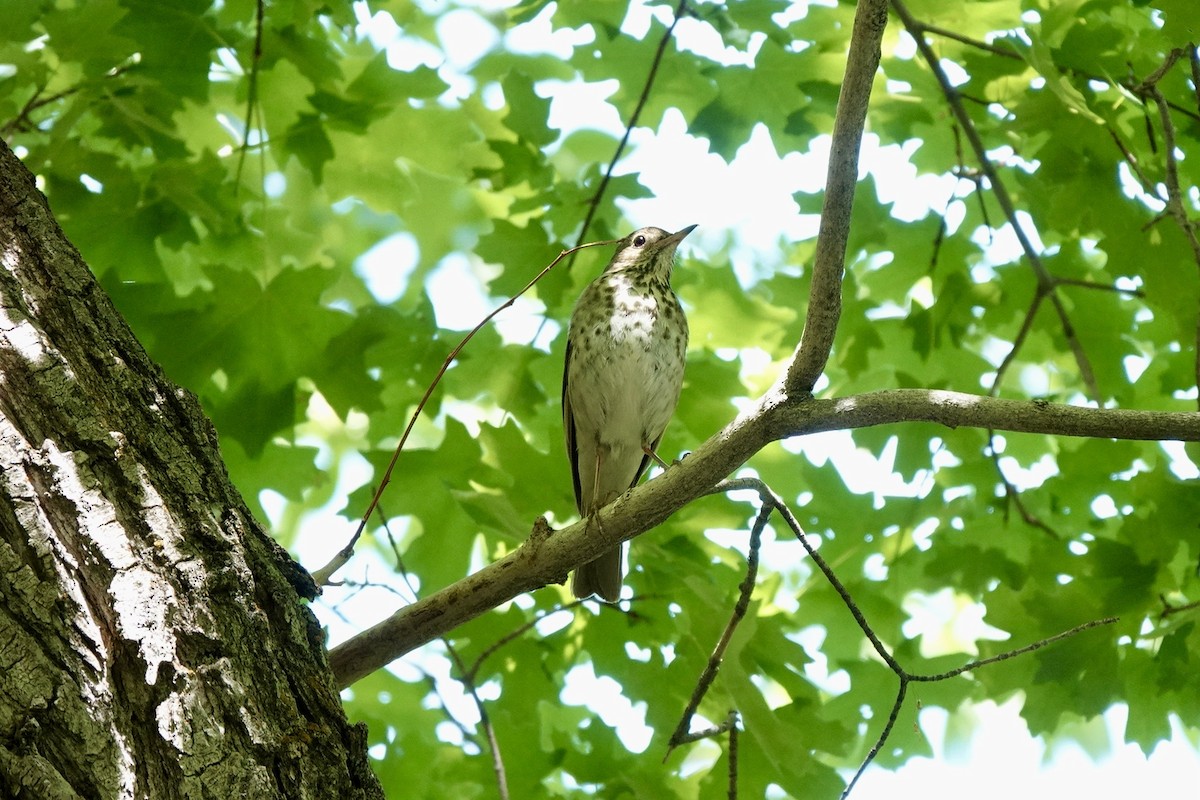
154,641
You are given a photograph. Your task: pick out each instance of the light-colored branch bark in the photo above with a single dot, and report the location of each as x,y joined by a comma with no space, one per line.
785,411
829,260
547,556
962,410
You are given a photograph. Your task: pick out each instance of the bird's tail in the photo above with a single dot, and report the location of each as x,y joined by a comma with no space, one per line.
600,577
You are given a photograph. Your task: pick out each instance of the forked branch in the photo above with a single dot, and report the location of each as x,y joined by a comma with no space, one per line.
771,502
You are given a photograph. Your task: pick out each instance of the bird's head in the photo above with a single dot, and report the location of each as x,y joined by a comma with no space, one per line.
650,250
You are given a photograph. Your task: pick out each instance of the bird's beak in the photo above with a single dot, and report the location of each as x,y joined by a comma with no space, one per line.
675,238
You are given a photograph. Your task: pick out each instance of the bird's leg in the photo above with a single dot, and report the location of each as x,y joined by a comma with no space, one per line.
596,504
593,513
648,450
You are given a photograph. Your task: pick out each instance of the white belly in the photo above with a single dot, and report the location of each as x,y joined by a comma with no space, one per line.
622,391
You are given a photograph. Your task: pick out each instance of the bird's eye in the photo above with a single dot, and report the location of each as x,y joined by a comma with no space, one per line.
639,241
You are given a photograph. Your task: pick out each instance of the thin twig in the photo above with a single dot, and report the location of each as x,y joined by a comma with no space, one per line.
323,575
1007,654
465,677
733,755
23,122
1044,279
1174,192
1194,61
727,725
745,590
488,651
1175,207
1148,187
946,33
252,88
485,722
1012,495
466,732
1018,340
1169,609
1102,287
894,715
594,203
771,502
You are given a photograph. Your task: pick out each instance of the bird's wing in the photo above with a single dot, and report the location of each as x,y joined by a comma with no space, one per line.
569,431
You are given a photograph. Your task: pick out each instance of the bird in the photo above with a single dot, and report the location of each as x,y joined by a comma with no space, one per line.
623,374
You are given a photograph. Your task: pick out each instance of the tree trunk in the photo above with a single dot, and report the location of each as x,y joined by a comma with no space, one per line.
154,641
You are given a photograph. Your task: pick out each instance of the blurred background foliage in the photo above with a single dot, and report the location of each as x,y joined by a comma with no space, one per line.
274,194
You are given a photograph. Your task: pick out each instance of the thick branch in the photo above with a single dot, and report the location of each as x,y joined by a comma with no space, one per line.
829,261
547,555
958,410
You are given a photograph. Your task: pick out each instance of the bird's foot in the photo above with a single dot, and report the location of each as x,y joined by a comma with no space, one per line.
648,450
592,521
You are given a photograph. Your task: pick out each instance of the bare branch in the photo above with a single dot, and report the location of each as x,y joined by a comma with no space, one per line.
957,409
1013,495
594,204
770,502
1044,279
322,575
547,556
1134,165
908,677
745,590
1029,648
894,715
1018,340
1169,609
517,632
829,261
1006,52
1175,207
1100,287
485,722
465,676
252,89
733,756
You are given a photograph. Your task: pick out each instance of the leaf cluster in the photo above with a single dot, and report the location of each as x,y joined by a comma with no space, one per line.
246,179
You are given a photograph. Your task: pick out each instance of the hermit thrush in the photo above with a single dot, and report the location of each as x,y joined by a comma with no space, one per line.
624,369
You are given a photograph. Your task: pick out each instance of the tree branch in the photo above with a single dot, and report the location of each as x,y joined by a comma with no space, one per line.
829,261
547,556
1175,206
1006,52
1046,281
745,591
771,502
594,203
323,575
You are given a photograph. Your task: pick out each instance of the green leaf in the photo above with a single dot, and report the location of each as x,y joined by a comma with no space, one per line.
307,140
527,112
240,191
